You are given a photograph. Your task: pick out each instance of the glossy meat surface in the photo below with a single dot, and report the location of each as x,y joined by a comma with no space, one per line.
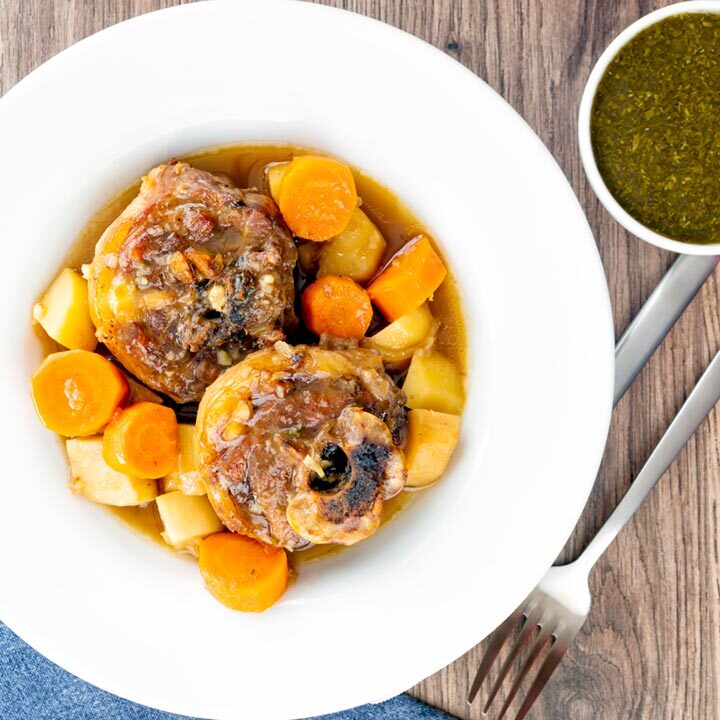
301,445
193,275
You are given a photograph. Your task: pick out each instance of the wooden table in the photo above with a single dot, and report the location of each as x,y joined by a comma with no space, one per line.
651,648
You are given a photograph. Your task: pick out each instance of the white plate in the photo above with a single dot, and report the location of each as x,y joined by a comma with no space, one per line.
370,622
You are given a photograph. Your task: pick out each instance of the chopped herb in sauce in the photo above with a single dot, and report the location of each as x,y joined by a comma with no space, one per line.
291,432
656,127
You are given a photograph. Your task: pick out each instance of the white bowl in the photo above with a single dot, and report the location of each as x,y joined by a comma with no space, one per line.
586,152
371,621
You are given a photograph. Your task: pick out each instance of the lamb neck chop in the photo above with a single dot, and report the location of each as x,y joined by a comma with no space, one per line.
194,274
301,445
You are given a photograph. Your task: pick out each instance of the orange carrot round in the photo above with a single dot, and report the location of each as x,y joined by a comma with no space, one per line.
317,197
242,573
142,440
338,306
413,274
76,392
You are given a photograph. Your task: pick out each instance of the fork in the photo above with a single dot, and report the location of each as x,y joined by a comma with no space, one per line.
552,615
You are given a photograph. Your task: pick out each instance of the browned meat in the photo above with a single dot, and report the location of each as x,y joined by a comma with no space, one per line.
301,445
193,275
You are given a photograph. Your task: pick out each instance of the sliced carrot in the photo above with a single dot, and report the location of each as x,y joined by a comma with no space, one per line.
317,197
408,280
338,306
142,440
76,392
242,573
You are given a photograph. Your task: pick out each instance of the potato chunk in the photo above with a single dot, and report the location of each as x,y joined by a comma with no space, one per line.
186,518
92,477
431,439
399,340
433,383
63,312
356,252
274,175
185,476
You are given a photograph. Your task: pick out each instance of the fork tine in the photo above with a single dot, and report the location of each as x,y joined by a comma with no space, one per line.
497,641
529,626
546,670
539,645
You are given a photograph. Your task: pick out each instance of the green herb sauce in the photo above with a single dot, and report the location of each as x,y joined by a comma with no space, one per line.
655,127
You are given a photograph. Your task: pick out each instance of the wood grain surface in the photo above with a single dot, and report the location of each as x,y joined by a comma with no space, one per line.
651,647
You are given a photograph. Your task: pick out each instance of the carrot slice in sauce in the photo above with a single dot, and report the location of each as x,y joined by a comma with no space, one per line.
411,277
317,197
142,440
242,573
338,306
76,392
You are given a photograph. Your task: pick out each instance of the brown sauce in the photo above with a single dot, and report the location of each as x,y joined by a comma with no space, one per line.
143,519
244,164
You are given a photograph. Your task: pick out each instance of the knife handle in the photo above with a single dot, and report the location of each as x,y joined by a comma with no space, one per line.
664,306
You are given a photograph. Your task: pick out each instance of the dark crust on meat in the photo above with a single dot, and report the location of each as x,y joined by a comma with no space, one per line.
368,463
209,271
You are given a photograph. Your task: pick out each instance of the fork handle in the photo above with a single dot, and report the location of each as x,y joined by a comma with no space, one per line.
695,409
659,313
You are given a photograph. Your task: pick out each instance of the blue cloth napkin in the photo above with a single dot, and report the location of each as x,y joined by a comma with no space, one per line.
33,688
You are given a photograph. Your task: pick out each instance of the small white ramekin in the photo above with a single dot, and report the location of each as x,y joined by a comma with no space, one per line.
586,151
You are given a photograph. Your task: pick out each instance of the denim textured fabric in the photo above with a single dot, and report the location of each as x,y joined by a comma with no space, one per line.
33,688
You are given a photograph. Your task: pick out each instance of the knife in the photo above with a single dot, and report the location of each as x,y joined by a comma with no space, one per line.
659,313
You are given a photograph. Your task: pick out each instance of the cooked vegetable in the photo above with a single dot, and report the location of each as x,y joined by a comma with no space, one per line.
242,573
356,252
275,174
185,475
431,439
142,440
76,392
338,306
63,312
408,280
317,197
399,340
433,383
186,518
92,477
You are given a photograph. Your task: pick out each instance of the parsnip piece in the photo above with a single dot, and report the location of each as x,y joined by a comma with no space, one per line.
92,477
185,476
63,312
356,252
433,383
399,340
186,518
274,178
431,439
